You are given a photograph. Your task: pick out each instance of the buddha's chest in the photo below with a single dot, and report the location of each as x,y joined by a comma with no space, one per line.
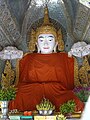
46,72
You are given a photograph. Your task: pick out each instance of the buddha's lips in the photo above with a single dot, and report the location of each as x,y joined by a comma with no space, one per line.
46,47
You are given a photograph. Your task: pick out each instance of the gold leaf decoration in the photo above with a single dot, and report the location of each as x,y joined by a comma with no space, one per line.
8,76
76,78
83,72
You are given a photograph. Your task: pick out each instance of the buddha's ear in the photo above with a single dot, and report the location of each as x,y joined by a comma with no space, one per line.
38,47
55,46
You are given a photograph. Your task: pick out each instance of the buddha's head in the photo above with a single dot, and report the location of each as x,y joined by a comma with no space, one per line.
46,37
46,43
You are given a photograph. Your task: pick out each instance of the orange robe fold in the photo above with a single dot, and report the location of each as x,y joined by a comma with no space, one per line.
45,75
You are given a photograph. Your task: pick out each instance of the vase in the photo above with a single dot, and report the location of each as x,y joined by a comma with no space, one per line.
4,110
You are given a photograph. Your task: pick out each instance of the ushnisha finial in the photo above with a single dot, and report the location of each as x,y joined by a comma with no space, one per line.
46,16
46,27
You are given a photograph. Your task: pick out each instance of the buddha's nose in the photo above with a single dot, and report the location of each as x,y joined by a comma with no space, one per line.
45,42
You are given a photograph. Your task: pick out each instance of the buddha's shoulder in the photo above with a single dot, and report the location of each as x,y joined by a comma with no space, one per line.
27,56
65,55
62,54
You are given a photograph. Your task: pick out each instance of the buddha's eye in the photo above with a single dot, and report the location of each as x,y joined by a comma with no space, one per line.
50,40
41,40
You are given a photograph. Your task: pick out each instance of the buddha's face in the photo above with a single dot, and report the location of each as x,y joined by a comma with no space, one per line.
46,43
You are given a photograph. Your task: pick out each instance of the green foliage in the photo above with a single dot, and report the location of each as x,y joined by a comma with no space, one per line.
8,93
68,107
45,105
82,96
82,93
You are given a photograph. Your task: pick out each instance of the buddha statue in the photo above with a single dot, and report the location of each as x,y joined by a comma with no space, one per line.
45,74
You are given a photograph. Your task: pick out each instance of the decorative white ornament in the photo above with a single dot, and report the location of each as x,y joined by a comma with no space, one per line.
79,49
11,52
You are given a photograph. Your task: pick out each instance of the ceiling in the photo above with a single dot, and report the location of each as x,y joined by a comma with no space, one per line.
18,17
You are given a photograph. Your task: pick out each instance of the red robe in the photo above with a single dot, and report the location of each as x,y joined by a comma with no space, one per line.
45,75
